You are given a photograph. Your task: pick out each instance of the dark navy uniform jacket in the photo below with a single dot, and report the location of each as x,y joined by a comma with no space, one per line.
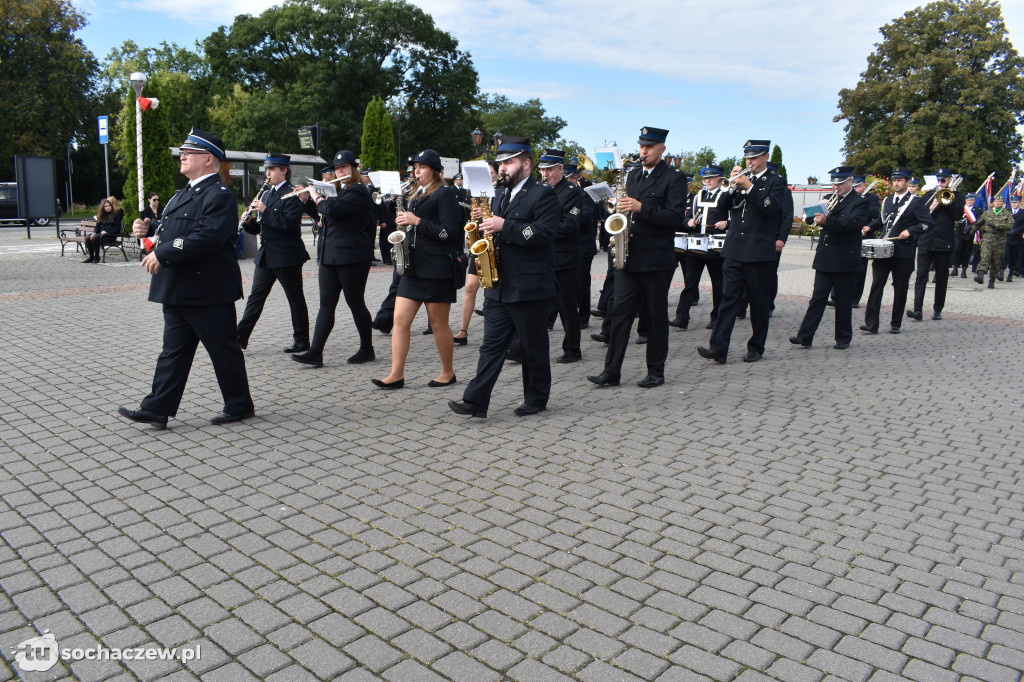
756,220
348,220
280,227
577,215
437,240
839,241
526,257
940,237
914,218
198,265
652,230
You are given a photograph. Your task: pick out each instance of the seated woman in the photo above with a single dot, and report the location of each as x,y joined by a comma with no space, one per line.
108,228
435,236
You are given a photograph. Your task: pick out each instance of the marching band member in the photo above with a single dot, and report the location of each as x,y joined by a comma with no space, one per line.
434,236
963,240
997,222
874,209
654,204
837,260
587,241
526,215
751,247
710,209
472,282
1014,258
281,255
936,246
344,252
577,213
904,217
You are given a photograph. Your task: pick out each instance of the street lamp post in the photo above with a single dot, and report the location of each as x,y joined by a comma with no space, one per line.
478,138
138,80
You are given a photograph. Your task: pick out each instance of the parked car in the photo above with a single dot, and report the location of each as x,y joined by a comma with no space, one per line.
9,206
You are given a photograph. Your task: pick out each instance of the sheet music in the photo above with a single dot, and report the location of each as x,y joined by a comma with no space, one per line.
599,192
324,189
476,177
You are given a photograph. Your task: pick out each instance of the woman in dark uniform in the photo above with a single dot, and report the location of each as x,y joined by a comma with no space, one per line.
435,237
344,252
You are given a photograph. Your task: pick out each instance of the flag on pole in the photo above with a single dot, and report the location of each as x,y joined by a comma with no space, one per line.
1006,190
983,196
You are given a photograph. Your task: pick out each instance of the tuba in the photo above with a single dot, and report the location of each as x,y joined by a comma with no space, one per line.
401,253
617,225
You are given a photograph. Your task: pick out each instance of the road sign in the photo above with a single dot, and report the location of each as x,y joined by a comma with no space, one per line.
102,120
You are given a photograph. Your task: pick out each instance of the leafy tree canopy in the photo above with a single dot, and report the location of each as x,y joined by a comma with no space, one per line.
943,88
498,113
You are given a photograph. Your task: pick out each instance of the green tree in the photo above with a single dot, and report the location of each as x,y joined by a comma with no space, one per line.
158,167
378,140
943,88
497,113
776,158
45,80
308,61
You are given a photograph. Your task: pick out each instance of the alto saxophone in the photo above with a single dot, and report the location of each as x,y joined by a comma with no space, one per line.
617,225
401,254
484,249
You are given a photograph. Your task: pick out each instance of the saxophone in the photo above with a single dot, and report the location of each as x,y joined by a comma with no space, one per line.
617,225
484,249
399,239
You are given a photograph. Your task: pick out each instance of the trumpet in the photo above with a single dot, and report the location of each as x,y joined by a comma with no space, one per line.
306,189
731,182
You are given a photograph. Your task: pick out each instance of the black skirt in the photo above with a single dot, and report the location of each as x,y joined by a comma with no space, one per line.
426,290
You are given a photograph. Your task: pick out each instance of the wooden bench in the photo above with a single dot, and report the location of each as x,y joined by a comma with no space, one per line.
81,233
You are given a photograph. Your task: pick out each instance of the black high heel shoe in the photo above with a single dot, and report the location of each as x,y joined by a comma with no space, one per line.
399,383
461,341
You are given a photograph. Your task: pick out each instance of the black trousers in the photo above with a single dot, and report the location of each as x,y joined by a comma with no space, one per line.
608,289
262,282
385,245
502,321
691,285
743,283
185,327
862,276
925,260
335,280
583,284
843,284
775,282
962,247
1012,258
385,316
644,294
881,268
568,310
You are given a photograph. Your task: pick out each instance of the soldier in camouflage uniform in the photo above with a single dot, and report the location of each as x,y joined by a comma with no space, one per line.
997,221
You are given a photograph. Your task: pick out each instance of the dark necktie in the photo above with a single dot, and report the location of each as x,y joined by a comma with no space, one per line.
505,197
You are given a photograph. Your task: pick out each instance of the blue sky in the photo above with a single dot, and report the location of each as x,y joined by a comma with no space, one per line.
714,74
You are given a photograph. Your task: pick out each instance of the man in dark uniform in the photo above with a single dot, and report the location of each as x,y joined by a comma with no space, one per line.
874,209
587,242
526,216
197,279
577,213
1014,259
654,204
903,219
936,246
751,250
709,209
281,255
837,260
785,225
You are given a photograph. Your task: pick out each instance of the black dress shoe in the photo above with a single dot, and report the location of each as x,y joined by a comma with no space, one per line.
478,311
361,356
527,409
568,358
841,346
225,418
603,379
600,337
678,323
597,312
434,383
641,340
513,357
710,325
936,316
243,343
460,340
751,356
398,383
466,408
144,416
963,274
869,330
309,358
711,354
427,332
893,329
742,315
297,347
90,259
856,305
915,315
797,341
650,381
584,325
831,302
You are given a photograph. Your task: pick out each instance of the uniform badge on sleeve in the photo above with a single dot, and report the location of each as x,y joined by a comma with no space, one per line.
178,243
574,211
527,232
444,234
767,201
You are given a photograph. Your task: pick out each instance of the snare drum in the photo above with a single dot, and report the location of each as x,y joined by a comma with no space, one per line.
877,248
717,242
697,242
680,241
